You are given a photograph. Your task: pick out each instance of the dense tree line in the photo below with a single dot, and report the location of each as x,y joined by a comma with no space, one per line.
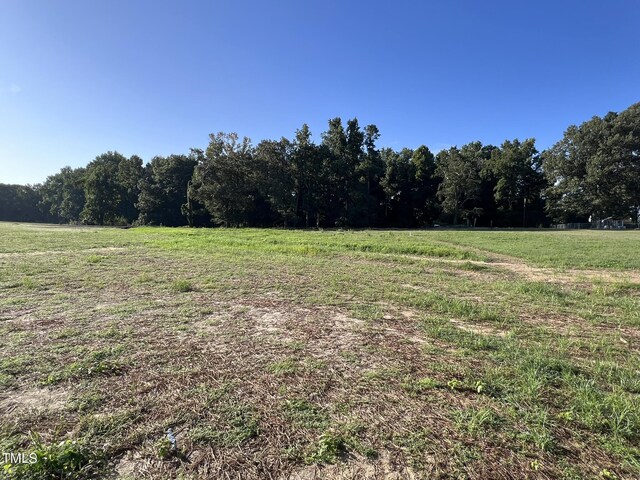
347,181
594,171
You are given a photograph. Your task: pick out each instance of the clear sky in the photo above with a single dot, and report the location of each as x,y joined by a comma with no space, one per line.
81,77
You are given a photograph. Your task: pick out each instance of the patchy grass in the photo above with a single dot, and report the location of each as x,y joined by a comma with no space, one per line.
274,353
182,286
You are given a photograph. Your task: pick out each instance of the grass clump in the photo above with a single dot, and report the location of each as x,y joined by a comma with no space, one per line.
336,441
236,425
616,413
283,367
100,362
477,420
304,414
329,446
415,444
419,386
182,286
94,259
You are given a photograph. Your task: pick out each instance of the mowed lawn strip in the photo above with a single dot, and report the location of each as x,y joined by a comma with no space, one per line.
290,353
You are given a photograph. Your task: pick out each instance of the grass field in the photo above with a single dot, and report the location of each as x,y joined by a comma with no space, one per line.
338,355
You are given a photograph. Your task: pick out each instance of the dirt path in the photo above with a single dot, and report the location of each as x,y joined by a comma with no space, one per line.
60,252
546,274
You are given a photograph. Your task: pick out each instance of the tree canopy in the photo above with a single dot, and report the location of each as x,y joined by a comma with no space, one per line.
347,180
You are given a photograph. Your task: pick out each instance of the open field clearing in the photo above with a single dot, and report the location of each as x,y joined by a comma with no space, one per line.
338,355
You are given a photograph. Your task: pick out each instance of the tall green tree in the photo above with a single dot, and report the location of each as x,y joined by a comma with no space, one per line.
63,195
110,188
355,201
425,186
370,171
459,170
193,210
627,150
308,178
519,179
398,186
20,203
592,172
102,191
334,198
163,190
224,182
276,182
128,177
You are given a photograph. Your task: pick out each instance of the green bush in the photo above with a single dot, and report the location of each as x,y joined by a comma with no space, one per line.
68,459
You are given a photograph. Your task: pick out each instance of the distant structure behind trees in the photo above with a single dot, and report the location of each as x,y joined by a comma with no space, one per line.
591,177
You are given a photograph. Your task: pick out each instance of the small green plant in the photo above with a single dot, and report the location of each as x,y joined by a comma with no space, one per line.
567,415
93,259
327,449
164,448
420,385
68,459
88,402
414,444
304,413
100,362
454,384
283,367
604,473
145,277
182,286
29,283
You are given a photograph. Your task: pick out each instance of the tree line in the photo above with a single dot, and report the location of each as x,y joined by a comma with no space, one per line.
347,181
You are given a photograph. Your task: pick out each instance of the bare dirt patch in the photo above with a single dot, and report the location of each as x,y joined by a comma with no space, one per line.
35,398
477,329
566,275
356,467
128,466
530,272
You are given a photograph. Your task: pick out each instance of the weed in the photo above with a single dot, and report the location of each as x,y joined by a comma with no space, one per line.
94,259
29,283
237,425
305,414
283,367
68,459
327,448
420,385
145,277
477,420
474,267
182,286
163,448
100,362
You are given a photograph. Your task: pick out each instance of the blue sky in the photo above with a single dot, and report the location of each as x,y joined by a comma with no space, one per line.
79,78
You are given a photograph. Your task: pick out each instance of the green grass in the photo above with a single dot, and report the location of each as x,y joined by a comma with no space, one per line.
275,352
182,286
241,423
555,248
